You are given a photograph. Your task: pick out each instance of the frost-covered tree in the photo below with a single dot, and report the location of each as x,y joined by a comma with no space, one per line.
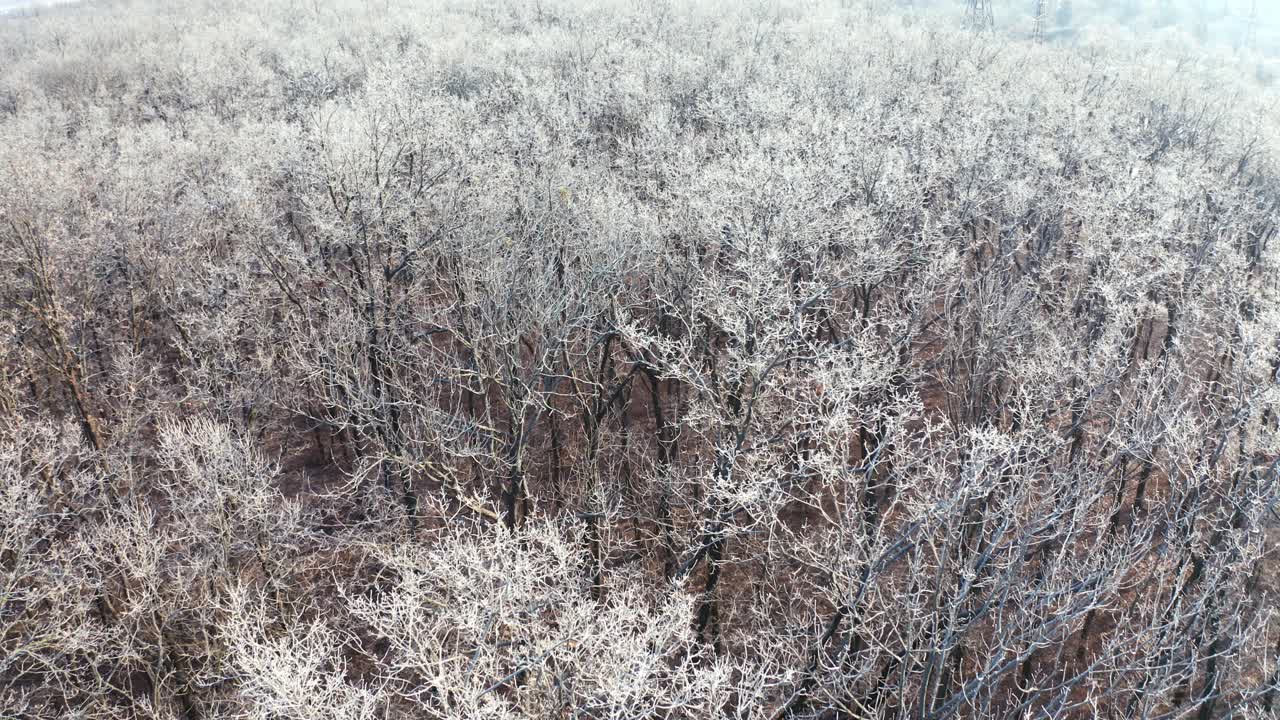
615,360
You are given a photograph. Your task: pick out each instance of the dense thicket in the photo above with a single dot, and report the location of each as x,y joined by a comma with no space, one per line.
537,358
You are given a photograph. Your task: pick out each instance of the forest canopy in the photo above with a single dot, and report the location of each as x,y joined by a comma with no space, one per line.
674,359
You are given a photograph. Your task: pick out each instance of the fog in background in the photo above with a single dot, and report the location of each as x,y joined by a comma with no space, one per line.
1230,24
1238,25
1233,25
28,7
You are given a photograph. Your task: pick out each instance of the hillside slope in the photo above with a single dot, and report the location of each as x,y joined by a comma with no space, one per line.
546,359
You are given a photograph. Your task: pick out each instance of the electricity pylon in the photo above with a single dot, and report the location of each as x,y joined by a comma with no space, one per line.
1042,16
978,15
1251,31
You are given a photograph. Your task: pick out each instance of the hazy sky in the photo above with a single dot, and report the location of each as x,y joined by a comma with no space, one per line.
7,5
1220,23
